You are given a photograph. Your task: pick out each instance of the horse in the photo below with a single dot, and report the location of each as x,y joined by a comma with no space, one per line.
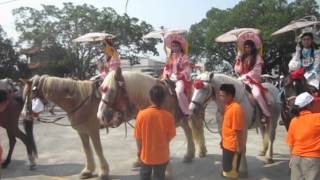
292,87
9,120
80,100
123,94
211,84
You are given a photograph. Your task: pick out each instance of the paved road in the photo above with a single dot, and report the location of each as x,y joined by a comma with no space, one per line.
61,157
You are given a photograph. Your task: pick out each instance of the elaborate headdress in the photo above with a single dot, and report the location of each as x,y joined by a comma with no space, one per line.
254,37
174,37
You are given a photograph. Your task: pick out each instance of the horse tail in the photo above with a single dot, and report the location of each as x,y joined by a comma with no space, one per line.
28,128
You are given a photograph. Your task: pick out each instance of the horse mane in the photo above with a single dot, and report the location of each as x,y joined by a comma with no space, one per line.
219,79
60,86
137,85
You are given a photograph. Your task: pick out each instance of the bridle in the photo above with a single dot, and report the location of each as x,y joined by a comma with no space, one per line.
120,100
211,94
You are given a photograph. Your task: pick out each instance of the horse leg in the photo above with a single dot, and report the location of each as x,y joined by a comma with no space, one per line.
12,142
28,127
190,144
28,145
104,167
271,134
90,166
243,168
265,139
196,125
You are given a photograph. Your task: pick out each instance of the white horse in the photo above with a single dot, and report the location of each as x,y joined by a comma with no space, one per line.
253,115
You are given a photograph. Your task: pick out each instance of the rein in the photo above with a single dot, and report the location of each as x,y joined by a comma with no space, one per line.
203,105
55,121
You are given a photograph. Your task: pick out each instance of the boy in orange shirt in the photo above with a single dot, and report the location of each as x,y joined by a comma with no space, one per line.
232,132
304,140
155,127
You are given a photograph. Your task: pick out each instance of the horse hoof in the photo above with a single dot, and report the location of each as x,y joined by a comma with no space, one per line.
262,153
243,174
5,164
202,154
86,175
136,164
268,161
187,159
103,177
32,167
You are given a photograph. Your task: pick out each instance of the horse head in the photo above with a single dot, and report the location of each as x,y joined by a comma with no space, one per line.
202,92
114,105
292,87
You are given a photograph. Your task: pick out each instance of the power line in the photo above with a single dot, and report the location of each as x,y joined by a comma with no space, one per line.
7,2
126,6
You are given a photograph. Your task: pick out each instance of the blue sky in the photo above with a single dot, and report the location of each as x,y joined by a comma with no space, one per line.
168,13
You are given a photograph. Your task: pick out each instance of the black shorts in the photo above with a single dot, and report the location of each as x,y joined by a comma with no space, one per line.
230,160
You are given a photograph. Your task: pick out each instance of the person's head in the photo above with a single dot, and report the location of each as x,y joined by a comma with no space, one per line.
176,47
307,40
251,52
157,95
302,102
107,41
249,47
227,93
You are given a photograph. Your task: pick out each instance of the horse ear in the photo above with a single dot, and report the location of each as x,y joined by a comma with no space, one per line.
211,76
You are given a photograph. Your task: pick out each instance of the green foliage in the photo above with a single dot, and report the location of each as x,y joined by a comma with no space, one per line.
267,16
9,64
59,26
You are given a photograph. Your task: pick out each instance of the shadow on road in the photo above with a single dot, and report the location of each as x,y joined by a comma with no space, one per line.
21,170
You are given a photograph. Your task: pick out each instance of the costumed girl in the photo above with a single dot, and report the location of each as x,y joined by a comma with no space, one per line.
178,69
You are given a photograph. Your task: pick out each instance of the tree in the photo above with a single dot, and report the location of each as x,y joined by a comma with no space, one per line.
265,15
51,25
9,61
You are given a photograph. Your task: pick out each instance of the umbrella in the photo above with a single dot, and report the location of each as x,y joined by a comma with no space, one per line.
94,36
294,25
163,32
232,36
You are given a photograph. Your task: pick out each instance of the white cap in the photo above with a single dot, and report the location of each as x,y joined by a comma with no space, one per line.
314,82
304,99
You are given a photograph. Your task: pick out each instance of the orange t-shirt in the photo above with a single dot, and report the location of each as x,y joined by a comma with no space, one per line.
155,127
304,135
233,120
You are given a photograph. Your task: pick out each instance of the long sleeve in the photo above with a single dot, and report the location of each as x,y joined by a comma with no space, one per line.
238,66
256,71
295,61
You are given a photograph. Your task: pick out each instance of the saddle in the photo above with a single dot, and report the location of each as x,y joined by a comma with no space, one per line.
171,86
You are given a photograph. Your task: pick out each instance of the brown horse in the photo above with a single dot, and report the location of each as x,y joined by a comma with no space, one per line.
126,93
9,120
80,100
291,89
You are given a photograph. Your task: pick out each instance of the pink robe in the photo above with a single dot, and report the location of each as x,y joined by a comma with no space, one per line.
112,65
253,79
178,70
